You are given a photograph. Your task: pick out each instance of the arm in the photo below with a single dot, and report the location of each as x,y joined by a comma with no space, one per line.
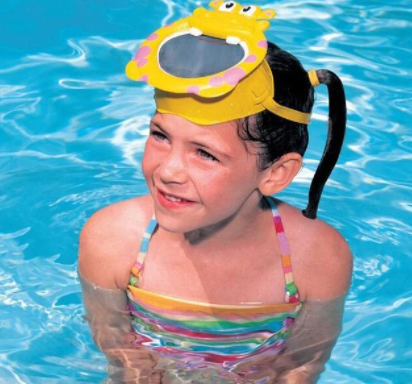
109,321
325,275
108,244
314,335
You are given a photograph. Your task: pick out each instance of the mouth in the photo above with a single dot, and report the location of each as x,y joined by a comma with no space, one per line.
193,55
171,201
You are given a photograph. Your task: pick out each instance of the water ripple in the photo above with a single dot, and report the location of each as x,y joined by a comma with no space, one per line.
73,130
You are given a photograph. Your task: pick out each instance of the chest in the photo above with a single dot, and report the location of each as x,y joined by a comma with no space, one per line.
245,274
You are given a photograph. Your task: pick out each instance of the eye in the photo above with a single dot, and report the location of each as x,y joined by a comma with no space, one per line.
158,135
228,6
206,155
248,11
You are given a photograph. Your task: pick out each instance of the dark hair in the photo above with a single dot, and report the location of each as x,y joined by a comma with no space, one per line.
277,136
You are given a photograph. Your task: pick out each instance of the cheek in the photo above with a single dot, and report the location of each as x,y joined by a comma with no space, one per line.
147,160
225,184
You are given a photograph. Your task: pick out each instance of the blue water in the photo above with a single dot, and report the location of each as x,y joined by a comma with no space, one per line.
72,130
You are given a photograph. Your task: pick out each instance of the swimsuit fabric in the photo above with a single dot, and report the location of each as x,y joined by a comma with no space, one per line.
224,334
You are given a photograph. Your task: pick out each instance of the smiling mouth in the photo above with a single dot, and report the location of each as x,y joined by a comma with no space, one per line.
173,198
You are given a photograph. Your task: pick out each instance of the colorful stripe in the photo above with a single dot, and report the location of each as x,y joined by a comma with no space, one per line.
214,332
167,303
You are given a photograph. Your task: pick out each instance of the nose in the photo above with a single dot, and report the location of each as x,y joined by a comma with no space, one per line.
173,169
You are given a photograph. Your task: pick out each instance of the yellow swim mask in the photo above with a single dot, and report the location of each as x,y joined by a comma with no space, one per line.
210,67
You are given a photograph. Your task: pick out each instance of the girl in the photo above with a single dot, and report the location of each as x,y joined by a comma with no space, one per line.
211,295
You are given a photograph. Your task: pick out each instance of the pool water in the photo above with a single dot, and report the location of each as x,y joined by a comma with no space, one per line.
72,131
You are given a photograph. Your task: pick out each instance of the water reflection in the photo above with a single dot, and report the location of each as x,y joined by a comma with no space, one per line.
71,138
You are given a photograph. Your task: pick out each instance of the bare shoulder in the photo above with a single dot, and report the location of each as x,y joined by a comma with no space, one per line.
322,259
110,240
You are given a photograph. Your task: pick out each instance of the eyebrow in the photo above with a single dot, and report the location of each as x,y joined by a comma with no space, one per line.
158,126
199,144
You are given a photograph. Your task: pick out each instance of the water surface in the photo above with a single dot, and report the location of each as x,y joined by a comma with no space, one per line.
72,131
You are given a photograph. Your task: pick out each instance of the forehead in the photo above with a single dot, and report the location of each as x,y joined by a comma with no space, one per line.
222,133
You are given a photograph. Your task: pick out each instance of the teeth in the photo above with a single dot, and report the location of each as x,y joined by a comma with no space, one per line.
195,32
232,40
172,198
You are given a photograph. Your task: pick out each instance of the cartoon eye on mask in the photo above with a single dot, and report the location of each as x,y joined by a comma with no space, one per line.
228,6
248,11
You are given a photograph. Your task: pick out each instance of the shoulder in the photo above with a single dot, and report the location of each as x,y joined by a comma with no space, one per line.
322,259
110,240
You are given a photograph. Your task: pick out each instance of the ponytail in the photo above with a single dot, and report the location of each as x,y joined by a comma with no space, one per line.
277,136
334,141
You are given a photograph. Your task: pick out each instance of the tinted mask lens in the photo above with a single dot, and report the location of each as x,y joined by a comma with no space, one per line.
190,56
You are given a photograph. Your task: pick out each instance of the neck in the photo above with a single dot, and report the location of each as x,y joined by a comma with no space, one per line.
239,227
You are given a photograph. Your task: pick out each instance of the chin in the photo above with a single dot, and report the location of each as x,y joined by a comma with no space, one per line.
174,224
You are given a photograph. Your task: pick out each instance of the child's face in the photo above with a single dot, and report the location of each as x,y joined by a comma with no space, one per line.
198,175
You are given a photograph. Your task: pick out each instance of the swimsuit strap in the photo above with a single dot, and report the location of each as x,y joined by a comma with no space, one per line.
138,266
292,295
290,287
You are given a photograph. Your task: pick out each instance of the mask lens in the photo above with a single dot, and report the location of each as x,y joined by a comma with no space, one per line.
190,56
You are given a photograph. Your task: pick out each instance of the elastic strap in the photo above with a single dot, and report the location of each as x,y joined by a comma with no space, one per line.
285,112
313,77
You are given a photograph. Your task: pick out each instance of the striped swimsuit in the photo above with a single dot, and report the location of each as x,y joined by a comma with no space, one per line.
224,334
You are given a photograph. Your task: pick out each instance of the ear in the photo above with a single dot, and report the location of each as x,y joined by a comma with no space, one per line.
215,4
280,174
266,14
